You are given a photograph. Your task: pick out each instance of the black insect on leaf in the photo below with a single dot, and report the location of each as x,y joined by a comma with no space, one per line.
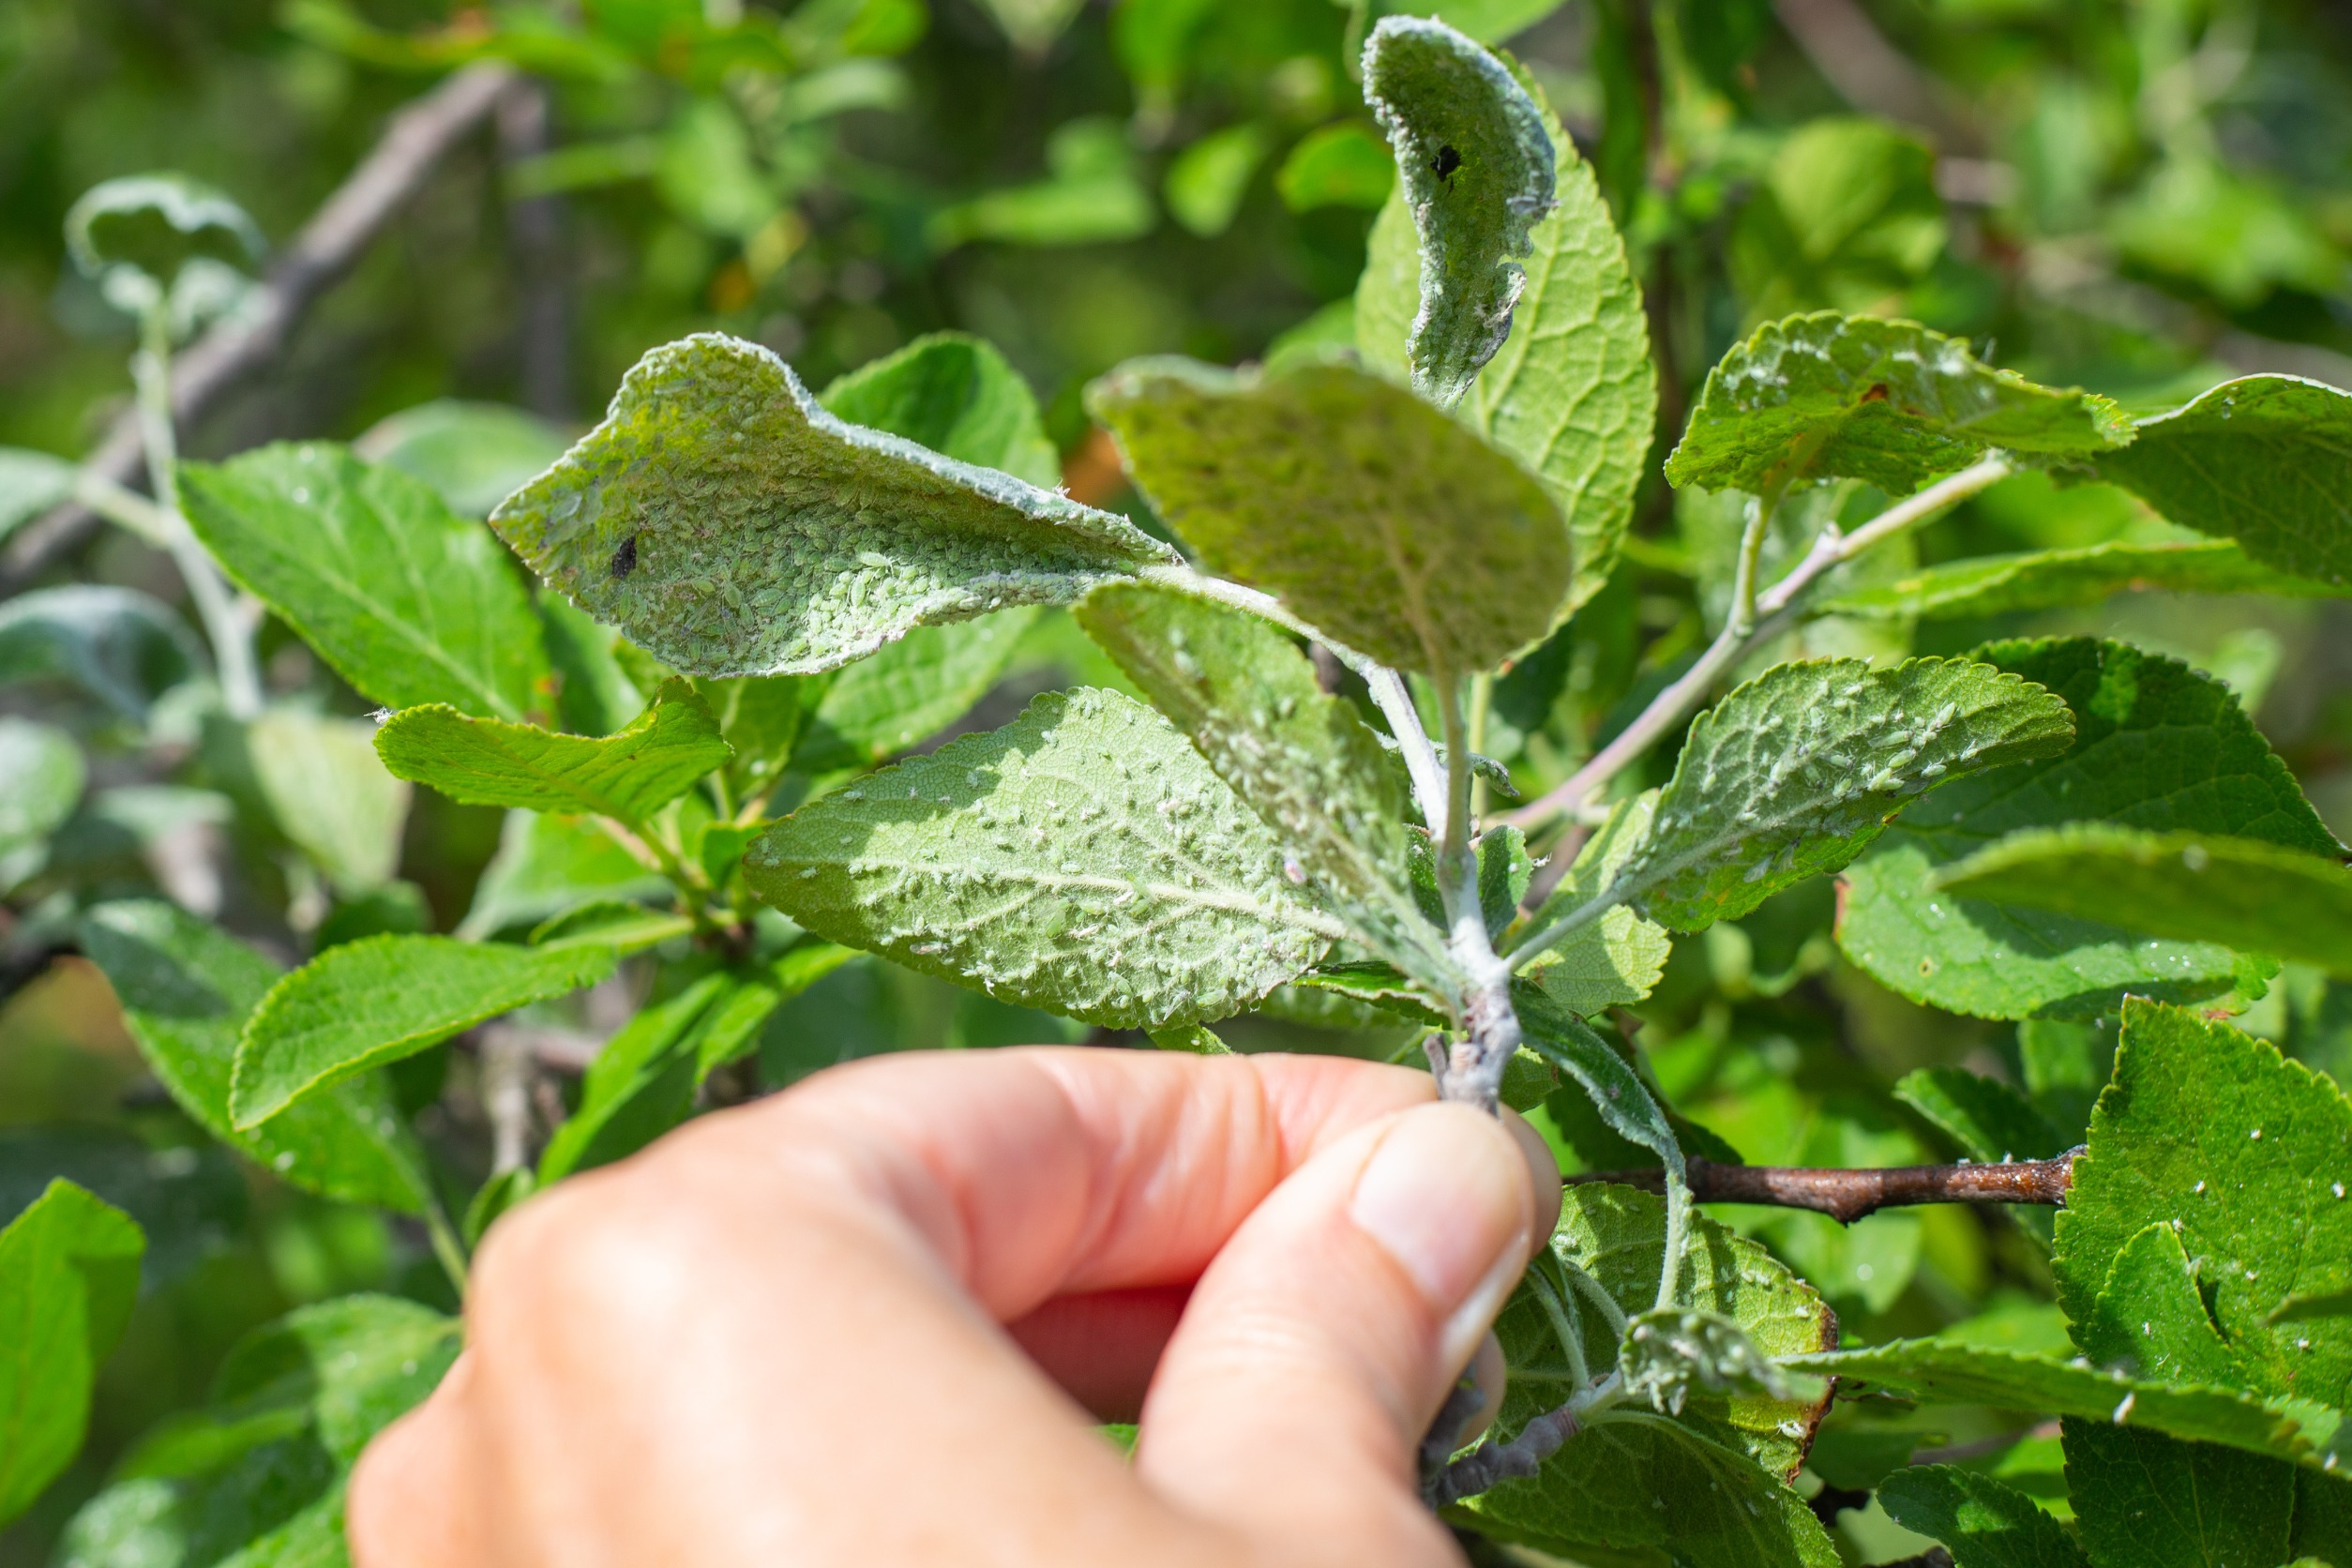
1445,163
624,558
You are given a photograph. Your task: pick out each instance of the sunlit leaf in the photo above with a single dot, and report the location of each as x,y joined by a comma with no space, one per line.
1083,859
726,521
69,1274
1476,166
2158,748
1371,514
488,762
409,602
375,1001
1892,403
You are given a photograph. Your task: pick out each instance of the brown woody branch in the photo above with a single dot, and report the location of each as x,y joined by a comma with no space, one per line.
1847,1196
419,136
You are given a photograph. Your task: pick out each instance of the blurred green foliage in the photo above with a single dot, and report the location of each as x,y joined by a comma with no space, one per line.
2141,197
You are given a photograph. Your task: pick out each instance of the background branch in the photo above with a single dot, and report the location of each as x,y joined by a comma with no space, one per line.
1847,1196
419,136
1774,610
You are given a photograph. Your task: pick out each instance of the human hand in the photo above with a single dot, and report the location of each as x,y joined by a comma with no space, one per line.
774,1337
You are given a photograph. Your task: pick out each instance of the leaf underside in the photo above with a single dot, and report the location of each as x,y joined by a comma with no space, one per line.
1384,523
1794,773
2266,460
729,525
1083,859
1571,393
1313,772
1475,163
1707,1485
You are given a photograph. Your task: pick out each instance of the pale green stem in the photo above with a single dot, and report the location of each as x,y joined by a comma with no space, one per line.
1482,700
1771,613
1567,1325
1678,1226
447,1245
1475,1066
225,627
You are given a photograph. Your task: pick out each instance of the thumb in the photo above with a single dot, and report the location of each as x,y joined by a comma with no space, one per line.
1318,1347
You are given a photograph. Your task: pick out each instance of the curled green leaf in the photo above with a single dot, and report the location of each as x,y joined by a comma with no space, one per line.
488,762
134,236
1476,163
731,525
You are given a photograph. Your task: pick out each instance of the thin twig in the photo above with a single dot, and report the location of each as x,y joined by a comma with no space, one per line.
1847,1196
419,136
1522,1455
1775,609
509,1058
226,626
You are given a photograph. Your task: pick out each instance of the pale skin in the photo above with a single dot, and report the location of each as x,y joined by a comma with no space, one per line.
874,1319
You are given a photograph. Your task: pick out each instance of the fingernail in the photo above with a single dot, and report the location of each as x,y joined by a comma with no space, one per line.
1446,1195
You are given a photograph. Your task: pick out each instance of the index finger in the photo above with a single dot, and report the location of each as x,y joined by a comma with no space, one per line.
1038,1173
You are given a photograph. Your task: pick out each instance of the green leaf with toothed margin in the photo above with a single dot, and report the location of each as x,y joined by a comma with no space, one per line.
409,602
629,775
1615,1091
2057,579
372,1001
1720,1469
731,525
1475,163
2189,886
2251,1154
255,1479
1953,1373
68,1276
2156,747
1618,960
1387,525
1082,859
1982,1522
956,395
186,988
1571,393
1889,402
1311,769
2265,459
1796,771
2156,1501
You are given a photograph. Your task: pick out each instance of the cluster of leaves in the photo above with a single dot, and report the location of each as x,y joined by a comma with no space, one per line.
698,744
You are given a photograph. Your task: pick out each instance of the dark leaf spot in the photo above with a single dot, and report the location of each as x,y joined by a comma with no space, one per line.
624,558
